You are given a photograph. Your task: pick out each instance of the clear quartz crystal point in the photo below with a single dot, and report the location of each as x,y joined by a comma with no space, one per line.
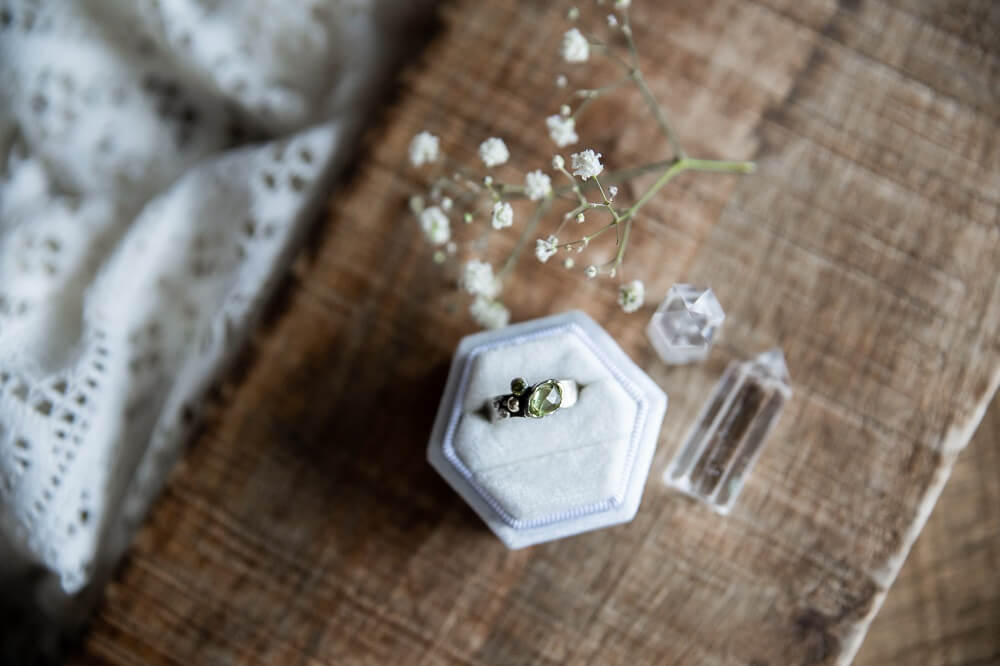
683,327
729,434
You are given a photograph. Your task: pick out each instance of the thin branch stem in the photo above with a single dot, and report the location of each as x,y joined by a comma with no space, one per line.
647,94
512,192
675,168
522,240
574,186
589,95
687,164
596,43
620,256
719,166
658,113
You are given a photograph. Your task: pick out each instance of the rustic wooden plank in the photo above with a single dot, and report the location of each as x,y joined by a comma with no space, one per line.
305,526
944,609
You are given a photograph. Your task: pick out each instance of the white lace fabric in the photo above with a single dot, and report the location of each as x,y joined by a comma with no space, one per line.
138,237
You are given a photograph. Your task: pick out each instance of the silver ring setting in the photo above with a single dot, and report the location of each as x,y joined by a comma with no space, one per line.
533,401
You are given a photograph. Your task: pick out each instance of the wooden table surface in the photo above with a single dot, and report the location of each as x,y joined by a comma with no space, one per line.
304,525
944,609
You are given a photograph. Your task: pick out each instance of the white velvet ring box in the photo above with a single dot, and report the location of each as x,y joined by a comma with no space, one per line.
583,467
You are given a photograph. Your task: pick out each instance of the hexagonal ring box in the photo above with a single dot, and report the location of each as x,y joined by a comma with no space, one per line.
538,479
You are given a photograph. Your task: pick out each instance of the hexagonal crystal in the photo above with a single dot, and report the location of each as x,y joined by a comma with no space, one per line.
684,326
730,433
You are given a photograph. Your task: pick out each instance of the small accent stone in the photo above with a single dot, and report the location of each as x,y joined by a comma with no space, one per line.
544,399
518,386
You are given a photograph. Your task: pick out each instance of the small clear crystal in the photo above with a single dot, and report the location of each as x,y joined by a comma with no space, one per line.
684,326
728,436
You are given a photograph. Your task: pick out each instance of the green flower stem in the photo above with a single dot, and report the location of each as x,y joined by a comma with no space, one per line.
589,95
590,237
574,186
658,113
472,179
507,188
597,44
596,92
586,239
511,192
622,245
526,234
459,194
680,166
603,195
635,72
674,167
629,39
719,166
624,175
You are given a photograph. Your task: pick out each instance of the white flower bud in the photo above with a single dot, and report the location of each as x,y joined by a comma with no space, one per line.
587,164
562,130
493,152
478,279
489,313
575,47
424,148
435,225
545,248
503,215
631,296
537,185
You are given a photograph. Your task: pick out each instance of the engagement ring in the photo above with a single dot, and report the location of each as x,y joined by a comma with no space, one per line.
533,402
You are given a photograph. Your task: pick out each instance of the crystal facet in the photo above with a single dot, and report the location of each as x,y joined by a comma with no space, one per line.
544,399
728,436
683,327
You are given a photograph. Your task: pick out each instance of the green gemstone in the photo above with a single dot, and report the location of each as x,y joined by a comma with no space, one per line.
518,386
544,399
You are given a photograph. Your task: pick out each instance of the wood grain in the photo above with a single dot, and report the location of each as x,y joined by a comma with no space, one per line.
944,609
304,525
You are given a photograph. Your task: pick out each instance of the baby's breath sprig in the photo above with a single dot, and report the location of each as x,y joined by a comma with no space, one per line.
589,196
